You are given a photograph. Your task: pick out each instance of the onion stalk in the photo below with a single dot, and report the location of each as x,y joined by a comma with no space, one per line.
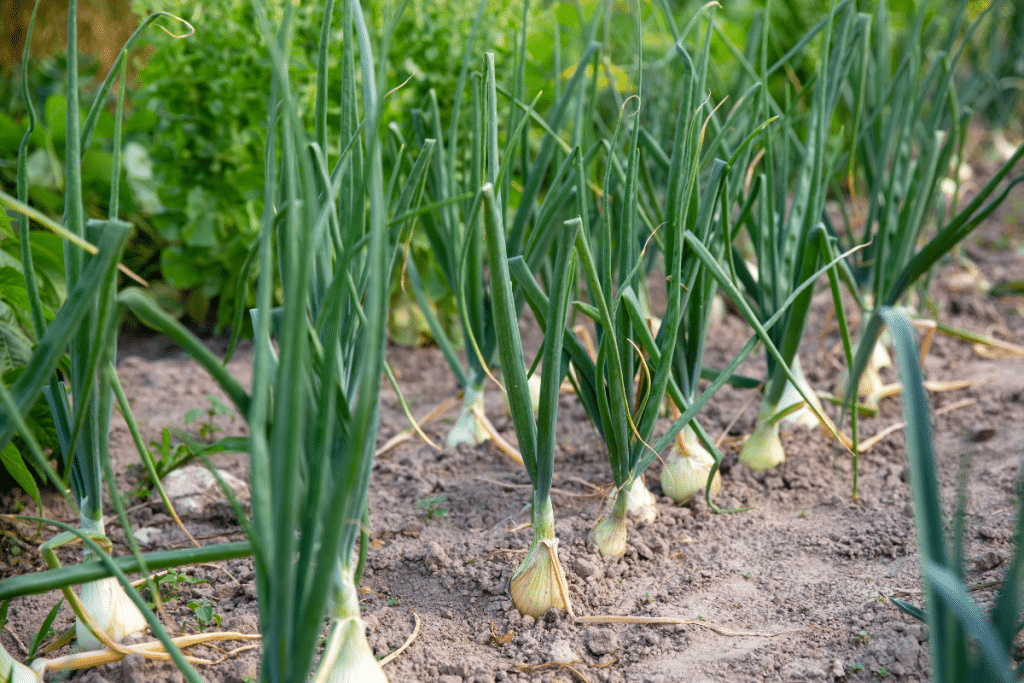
539,582
454,227
786,234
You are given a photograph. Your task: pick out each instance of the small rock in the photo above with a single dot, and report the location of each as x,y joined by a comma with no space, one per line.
988,560
192,489
243,623
907,651
642,549
132,669
838,671
94,677
601,641
449,679
803,670
586,569
413,528
561,651
436,557
147,536
460,670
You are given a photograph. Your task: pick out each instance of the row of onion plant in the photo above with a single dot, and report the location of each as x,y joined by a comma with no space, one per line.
72,366
327,240
911,126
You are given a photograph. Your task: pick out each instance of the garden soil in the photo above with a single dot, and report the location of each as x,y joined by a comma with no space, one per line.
796,587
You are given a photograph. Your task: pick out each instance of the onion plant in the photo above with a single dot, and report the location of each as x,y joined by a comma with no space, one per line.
911,126
86,327
782,213
965,644
453,227
315,402
539,583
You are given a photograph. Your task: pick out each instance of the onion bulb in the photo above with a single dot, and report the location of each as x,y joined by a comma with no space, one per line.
870,385
351,659
347,657
534,385
802,416
763,449
687,468
640,502
610,534
14,671
539,583
111,609
468,428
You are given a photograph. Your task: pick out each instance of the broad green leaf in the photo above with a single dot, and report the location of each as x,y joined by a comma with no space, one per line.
15,465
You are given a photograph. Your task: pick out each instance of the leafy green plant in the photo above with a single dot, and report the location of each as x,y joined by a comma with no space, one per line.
432,508
203,616
199,111
172,582
207,428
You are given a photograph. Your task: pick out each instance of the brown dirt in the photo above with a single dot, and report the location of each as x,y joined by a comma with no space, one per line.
103,27
804,576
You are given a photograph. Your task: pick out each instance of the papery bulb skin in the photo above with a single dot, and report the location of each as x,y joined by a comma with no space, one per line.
763,450
686,470
14,671
640,502
538,584
111,609
803,416
351,658
610,534
468,428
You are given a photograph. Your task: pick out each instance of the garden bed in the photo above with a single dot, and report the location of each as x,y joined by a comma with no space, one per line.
795,588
